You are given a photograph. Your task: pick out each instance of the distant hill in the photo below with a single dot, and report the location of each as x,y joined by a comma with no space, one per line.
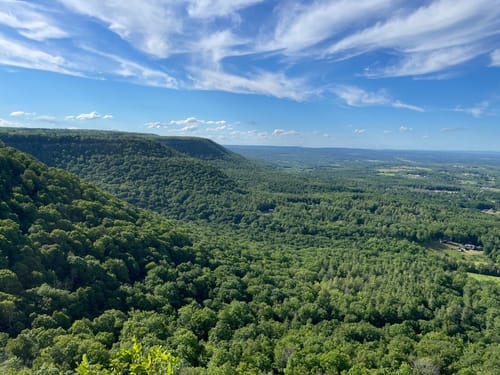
200,148
166,175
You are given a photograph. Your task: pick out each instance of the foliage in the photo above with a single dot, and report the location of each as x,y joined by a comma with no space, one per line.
335,269
156,361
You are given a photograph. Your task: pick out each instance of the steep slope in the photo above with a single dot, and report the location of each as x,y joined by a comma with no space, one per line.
62,240
141,169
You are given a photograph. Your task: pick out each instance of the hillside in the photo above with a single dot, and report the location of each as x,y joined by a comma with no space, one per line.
69,252
144,170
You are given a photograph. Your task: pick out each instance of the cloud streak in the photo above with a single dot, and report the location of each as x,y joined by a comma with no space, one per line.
429,39
89,116
30,21
357,97
495,58
190,123
476,111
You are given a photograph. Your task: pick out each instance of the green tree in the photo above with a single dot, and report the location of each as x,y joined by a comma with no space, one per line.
134,360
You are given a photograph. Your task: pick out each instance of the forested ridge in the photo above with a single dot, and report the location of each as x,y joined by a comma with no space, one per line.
146,171
335,271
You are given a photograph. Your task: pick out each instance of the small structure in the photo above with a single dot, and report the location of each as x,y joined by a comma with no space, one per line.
469,246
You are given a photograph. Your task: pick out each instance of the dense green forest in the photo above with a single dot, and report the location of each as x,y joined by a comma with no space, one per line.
343,265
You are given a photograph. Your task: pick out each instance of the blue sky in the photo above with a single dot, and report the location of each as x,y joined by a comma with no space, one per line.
337,73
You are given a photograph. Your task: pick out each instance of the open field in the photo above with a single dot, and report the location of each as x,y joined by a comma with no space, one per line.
484,278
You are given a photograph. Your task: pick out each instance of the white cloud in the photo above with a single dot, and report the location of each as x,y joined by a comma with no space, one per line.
405,129
221,122
117,66
188,120
359,131
32,116
189,127
19,113
283,132
217,8
218,45
431,38
15,53
398,104
153,125
219,128
88,116
147,25
452,130
357,97
12,124
476,111
495,58
264,83
29,21
142,74
428,62
303,25
192,123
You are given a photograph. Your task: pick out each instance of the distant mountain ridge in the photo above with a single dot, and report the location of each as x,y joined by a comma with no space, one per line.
169,175
200,148
196,147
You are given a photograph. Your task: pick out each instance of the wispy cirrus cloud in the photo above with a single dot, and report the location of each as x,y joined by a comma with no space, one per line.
495,58
146,25
263,83
430,38
357,97
477,110
284,132
217,8
30,20
302,25
215,45
26,55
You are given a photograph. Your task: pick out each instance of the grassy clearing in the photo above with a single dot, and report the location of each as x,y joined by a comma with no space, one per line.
450,250
484,278
491,212
405,170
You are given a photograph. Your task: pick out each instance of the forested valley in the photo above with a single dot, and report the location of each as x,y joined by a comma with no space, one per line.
250,261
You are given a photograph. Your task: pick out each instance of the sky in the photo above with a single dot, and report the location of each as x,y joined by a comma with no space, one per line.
382,74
